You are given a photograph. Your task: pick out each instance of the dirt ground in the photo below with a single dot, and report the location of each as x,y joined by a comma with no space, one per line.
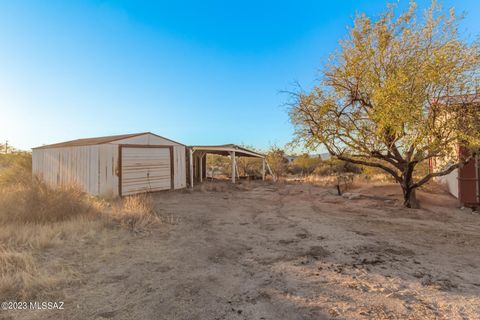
294,251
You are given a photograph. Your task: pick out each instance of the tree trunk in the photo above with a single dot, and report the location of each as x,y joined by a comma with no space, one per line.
410,198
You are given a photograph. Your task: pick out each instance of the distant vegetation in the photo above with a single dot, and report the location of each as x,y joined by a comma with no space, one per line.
282,165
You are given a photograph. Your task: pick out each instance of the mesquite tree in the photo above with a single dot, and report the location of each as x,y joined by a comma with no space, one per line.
400,91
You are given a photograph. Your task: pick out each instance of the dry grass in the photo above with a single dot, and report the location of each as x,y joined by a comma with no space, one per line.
136,212
35,219
22,277
36,203
358,180
15,168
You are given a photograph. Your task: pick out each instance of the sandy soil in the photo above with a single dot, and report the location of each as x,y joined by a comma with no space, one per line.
261,251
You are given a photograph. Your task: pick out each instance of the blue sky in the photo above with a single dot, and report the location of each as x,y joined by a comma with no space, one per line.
199,72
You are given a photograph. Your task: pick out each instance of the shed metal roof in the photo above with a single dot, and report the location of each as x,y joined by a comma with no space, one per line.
225,150
97,140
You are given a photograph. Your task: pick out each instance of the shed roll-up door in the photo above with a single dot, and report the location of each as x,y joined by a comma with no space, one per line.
145,169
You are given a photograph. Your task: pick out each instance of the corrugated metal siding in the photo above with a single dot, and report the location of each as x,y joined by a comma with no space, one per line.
62,167
108,178
145,170
180,176
180,167
468,183
94,168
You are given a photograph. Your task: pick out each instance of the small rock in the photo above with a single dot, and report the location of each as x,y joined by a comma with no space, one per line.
301,235
317,252
351,195
466,210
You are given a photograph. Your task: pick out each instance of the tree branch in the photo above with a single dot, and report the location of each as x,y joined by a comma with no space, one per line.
370,164
441,173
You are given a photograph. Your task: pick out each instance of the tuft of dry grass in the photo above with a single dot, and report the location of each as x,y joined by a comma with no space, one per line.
22,277
358,180
136,212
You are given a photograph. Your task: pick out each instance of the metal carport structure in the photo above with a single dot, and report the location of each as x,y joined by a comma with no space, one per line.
198,154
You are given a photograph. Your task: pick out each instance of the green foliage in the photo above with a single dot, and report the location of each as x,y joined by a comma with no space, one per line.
218,165
249,167
305,164
277,161
335,166
397,93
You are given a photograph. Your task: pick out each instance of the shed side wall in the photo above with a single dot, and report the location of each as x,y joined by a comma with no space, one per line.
451,181
62,167
108,169
180,166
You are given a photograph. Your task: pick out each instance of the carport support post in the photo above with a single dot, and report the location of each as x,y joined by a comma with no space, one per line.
191,168
263,168
234,165
200,170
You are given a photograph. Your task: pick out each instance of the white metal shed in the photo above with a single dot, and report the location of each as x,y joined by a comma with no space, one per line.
114,165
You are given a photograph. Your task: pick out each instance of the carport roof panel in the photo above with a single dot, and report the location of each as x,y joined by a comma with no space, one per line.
225,150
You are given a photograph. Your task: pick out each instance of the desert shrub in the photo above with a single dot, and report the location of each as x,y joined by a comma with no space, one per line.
335,166
36,203
15,168
278,162
305,164
218,165
136,212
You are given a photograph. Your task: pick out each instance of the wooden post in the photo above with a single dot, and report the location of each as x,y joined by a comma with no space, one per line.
271,172
191,168
200,169
263,169
234,165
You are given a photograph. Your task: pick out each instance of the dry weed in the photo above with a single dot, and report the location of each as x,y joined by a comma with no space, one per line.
15,168
36,203
35,218
136,212
21,277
